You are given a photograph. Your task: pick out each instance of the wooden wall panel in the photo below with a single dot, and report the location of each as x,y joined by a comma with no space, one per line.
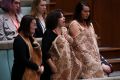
106,14
66,5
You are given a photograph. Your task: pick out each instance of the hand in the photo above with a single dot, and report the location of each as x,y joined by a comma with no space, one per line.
54,69
52,65
36,44
41,69
106,68
64,30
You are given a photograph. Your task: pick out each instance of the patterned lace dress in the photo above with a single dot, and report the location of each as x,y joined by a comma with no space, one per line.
86,50
60,55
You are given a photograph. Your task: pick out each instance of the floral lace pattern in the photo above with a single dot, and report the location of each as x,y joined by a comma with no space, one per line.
60,55
86,51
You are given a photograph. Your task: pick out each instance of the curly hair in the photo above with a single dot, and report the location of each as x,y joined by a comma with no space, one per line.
6,5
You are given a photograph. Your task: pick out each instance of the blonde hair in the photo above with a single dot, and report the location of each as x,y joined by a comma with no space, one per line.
34,8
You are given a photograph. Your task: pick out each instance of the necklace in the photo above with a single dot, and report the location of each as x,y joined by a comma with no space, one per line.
15,21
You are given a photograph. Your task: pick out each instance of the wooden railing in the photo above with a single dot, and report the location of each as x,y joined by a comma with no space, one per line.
9,44
6,59
112,55
109,53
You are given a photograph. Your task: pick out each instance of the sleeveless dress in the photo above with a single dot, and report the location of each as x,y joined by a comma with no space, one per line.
86,51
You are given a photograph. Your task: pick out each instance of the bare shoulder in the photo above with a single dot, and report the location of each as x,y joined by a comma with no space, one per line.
73,23
74,28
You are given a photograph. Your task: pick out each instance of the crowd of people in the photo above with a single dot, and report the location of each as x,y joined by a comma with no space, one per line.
65,53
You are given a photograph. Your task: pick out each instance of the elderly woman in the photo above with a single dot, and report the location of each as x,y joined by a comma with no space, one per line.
38,10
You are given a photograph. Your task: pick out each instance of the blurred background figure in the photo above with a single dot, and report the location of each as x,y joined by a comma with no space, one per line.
38,10
10,19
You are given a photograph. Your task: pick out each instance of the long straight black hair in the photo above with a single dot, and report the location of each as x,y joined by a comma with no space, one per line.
77,13
25,25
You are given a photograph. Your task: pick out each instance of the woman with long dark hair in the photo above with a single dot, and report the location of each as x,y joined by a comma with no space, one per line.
84,43
27,52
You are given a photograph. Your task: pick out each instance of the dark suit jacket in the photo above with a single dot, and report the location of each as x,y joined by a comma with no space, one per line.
21,59
38,31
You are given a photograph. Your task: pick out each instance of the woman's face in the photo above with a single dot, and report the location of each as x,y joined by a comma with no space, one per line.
42,7
85,12
16,6
61,21
33,26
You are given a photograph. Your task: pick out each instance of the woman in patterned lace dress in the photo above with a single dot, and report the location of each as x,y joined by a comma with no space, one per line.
56,49
84,44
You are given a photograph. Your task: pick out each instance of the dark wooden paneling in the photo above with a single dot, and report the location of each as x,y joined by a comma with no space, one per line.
110,52
116,66
66,5
107,20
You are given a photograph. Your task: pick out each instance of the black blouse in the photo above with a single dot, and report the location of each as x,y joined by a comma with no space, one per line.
48,38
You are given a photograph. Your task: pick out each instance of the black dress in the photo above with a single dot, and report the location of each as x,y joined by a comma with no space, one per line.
21,59
48,38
